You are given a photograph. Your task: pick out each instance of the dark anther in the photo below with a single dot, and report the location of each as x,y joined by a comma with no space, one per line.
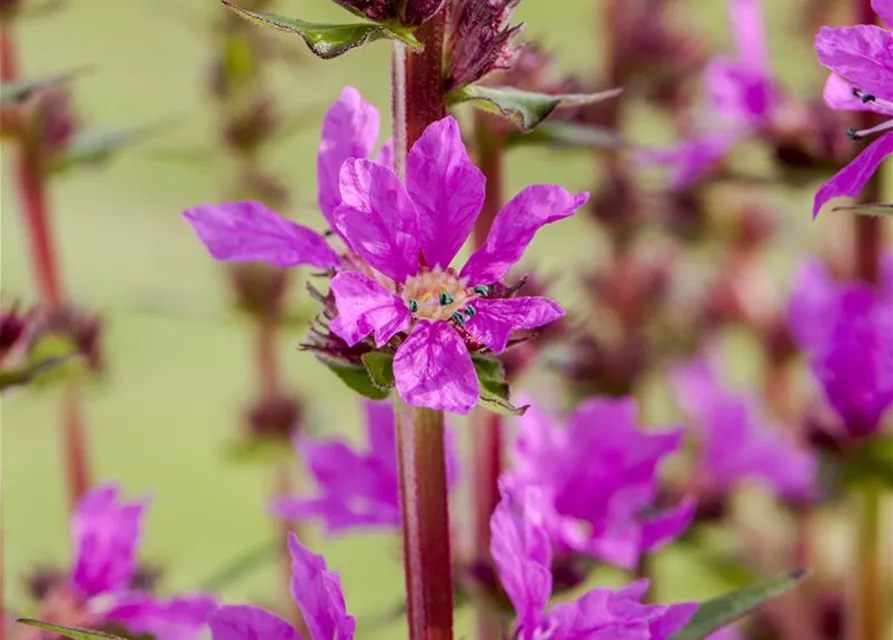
852,134
413,305
446,299
458,318
481,289
469,312
867,97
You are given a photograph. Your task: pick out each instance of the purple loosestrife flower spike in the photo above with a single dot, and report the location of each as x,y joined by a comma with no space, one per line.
479,40
845,330
523,556
315,589
860,58
596,479
356,489
741,96
736,443
396,281
106,535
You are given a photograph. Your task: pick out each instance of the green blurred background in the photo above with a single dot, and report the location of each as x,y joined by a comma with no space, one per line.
179,360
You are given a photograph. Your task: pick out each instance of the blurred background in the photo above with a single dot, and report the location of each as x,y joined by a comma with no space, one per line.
179,370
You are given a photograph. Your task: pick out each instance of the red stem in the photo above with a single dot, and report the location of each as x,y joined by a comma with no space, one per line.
9,70
74,442
425,515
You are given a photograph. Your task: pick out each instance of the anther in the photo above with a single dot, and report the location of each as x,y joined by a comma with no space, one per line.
867,97
413,305
481,289
458,318
446,298
469,312
852,134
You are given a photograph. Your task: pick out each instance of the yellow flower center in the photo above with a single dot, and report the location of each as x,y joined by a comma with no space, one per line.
438,295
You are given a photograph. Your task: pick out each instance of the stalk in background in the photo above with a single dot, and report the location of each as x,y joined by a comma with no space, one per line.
31,168
417,101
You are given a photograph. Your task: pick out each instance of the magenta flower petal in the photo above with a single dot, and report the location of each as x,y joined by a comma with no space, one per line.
739,92
379,219
447,189
884,10
671,619
180,618
515,227
523,556
691,159
496,318
850,180
248,231
838,94
364,307
244,622
861,54
432,369
667,525
349,130
749,30
813,305
386,154
318,593
106,535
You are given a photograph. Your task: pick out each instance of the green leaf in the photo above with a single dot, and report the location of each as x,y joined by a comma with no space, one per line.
329,40
876,209
25,374
495,390
93,146
569,135
357,378
14,92
724,610
380,367
526,108
75,633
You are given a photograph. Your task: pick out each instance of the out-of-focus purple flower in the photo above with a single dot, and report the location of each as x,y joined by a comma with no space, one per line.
106,535
315,589
737,442
597,479
356,489
401,240
479,40
14,329
741,97
522,552
861,80
845,330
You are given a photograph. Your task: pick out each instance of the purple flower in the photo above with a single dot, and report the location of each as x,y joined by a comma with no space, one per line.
523,555
861,63
314,589
737,443
845,330
105,534
356,489
479,40
596,479
741,98
401,240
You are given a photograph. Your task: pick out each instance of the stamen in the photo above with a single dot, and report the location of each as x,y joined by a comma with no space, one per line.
413,305
481,289
458,318
868,97
445,299
852,134
469,312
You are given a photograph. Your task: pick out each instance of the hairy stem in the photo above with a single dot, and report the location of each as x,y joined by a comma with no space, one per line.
869,607
425,517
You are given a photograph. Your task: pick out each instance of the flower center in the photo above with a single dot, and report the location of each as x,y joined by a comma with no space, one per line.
440,295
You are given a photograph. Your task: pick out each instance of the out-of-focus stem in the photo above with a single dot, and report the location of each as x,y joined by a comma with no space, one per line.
487,427
425,519
9,69
868,613
74,441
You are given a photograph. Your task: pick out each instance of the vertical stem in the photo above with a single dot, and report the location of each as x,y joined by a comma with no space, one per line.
487,427
425,516
9,70
869,230
74,441
869,608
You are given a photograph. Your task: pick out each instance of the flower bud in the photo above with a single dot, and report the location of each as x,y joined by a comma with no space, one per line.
479,40
259,290
14,328
54,116
274,417
247,130
408,13
81,329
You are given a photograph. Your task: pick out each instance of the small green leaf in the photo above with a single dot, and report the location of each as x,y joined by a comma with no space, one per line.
14,92
75,633
495,390
876,209
329,40
569,135
526,108
380,367
357,378
25,374
724,610
93,146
